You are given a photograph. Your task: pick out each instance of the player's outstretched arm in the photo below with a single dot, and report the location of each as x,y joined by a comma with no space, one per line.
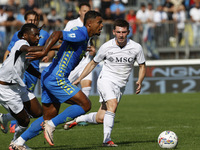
90,66
141,75
54,37
50,55
33,71
26,48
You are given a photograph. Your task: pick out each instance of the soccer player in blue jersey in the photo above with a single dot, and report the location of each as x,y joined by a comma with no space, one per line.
56,88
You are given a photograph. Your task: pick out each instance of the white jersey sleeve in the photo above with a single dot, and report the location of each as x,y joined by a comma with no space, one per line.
73,23
140,56
13,68
101,54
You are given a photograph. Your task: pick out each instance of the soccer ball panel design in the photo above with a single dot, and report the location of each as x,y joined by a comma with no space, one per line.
167,139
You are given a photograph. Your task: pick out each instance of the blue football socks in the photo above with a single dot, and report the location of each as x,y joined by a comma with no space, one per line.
33,130
68,114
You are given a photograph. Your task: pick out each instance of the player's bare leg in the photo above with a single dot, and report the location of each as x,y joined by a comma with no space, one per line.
80,105
33,108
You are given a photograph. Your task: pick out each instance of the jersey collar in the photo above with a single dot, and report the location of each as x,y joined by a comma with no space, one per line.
115,44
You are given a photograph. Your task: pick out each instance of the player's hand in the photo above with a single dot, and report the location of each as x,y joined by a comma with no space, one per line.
76,82
138,89
35,55
45,59
60,41
91,50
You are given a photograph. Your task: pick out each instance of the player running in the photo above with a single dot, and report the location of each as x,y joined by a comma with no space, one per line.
30,17
56,88
30,80
119,55
14,95
87,81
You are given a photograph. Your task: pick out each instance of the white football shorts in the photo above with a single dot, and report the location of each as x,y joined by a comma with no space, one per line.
77,72
13,96
108,90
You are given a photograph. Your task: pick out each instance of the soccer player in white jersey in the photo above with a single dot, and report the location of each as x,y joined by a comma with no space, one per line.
119,55
86,83
14,96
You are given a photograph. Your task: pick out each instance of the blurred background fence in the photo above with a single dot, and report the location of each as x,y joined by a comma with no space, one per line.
171,47
164,42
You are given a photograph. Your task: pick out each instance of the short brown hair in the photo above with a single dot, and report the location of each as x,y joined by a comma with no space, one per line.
31,12
121,23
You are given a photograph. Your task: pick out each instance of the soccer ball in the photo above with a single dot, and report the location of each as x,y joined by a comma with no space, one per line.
167,139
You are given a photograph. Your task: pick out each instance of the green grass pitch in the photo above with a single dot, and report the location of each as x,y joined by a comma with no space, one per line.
138,122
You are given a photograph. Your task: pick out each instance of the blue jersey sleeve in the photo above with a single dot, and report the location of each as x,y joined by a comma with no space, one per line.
13,40
44,35
76,34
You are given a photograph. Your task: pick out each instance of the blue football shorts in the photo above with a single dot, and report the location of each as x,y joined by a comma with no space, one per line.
30,81
56,89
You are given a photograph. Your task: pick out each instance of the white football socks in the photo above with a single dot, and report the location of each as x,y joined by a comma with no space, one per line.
108,124
86,91
20,141
50,122
18,131
91,118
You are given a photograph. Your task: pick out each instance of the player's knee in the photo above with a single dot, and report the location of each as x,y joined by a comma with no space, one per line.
37,114
87,106
99,119
112,106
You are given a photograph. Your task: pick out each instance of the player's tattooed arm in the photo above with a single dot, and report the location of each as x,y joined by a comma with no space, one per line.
54,37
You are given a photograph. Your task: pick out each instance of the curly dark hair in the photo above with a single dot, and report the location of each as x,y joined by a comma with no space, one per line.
25,29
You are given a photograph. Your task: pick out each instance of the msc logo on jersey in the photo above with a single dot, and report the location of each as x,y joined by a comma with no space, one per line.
111,59
121,59
72,35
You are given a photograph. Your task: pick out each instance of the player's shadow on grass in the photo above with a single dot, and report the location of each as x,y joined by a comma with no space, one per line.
69,147
132,142
61,147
